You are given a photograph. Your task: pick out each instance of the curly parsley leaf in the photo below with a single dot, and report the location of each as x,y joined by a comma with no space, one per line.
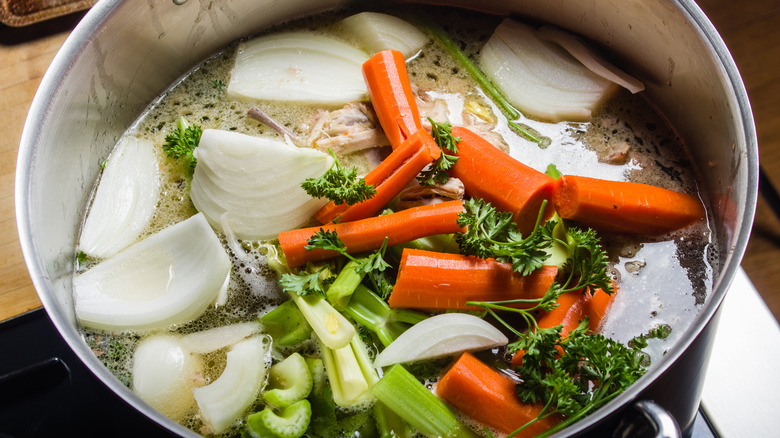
308,283
587,265
437,173
492,234
181,143
339,185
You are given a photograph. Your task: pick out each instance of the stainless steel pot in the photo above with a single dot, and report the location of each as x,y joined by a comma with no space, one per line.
125,53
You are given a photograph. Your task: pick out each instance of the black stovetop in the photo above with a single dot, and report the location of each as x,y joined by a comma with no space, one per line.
46,391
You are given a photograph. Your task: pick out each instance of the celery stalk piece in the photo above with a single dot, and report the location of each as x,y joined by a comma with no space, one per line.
286,325
323,409
330,326
373,313
400,391
288,382
340,291
223,401
292,422
350,371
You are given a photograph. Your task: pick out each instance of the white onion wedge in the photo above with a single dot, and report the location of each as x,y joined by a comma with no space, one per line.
224,401
298,67
441,335
168,278
125,199
590,59
164,374
210,340
376,32
540,78
255,183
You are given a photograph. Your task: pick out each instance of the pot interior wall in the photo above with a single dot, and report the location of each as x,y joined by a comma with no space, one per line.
124,54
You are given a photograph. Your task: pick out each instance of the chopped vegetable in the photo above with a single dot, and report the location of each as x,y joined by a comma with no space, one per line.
225,400
589,58
373,313
440,281
253,184
493,175
487,396
509,111
289,381
291,422
286,325
400,391
376,32
624,207
164,375
350,372
391,95
124,201
390,177
437,174
168,278
181,143
323,420
330,326
341,186
210,340
303,67
441,335
371,233
539,77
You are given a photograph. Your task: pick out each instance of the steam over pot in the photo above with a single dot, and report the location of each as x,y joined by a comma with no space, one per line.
125,53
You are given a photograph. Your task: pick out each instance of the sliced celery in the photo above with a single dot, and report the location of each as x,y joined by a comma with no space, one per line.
350,372
400,391
292,422
286,325
330,326
340,291
373,313
323,409
289,381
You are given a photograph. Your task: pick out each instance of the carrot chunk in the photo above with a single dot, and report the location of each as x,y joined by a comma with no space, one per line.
624,207
390,177
493,175
485,395
369,234
439,281
391,95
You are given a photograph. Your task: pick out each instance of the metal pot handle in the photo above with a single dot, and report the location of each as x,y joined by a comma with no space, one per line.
664,425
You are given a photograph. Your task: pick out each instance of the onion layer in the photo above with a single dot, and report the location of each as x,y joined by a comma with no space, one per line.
255,182
298,67
125,199
376,32
168,278
441,335
539,77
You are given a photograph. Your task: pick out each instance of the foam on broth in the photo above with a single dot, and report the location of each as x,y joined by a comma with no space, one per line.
663,280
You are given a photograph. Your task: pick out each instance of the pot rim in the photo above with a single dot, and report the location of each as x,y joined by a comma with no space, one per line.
78,41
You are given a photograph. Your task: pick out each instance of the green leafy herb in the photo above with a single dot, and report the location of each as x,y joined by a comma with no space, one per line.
437,173
592,370
307,282
492,233
660,332
329,240
340,185
182,142
218,84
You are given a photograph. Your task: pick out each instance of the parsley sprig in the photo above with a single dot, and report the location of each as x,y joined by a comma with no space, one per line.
312,280
437,173
340,185
181,143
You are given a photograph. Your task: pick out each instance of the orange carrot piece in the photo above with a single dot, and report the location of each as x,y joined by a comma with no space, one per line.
439,281
390,177
493,175
489,397
369,234
391,95
572,308
624,207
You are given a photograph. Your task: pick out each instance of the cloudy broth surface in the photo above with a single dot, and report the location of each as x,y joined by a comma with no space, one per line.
662,280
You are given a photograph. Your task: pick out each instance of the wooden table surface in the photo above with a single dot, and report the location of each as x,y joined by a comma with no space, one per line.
750,28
